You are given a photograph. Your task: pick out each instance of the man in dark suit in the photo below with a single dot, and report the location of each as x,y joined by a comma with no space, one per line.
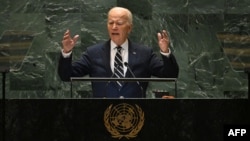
136,60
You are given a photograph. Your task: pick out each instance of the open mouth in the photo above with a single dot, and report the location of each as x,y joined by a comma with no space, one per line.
115,33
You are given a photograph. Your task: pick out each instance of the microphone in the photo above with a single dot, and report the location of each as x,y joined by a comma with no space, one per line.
113,74
126,64
107,84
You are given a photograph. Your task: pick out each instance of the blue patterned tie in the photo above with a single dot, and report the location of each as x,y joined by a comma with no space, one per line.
118,66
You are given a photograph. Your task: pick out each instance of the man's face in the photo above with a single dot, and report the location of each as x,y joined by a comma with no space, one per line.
118,26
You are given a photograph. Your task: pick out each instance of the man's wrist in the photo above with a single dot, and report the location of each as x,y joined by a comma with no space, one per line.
166,54
65,54
165,51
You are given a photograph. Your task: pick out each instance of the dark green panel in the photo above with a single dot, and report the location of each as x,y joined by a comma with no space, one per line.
143,8
206,6
209,66
170,6
237,7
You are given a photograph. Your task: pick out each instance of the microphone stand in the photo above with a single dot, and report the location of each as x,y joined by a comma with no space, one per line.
138,83
112,76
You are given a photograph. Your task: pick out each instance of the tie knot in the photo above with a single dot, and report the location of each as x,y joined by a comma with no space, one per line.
118,48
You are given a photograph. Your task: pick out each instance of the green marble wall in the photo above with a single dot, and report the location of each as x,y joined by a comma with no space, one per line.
210,39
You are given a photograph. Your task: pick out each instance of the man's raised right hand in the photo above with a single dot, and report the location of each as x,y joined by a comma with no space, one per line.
68,42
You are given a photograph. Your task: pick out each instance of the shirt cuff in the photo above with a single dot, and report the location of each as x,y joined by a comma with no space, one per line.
166,54
66,55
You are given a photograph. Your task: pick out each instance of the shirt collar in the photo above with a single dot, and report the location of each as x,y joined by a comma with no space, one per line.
124,45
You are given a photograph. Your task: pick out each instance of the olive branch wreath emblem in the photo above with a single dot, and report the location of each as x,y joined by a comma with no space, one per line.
115,132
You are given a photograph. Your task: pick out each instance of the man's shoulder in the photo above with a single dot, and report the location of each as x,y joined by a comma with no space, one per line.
98,46
140,46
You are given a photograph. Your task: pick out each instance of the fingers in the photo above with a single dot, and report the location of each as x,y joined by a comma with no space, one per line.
75,38
68,43
66,35
163,41
66,32
159,36
164,34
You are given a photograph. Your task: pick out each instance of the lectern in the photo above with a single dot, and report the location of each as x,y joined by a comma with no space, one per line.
103,79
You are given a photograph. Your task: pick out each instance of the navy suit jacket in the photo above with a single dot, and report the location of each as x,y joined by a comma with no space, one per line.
95,62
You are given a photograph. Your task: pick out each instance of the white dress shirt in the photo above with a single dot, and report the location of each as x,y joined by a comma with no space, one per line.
124,53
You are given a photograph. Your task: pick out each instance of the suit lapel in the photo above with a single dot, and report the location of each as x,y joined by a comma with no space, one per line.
106,54
132,57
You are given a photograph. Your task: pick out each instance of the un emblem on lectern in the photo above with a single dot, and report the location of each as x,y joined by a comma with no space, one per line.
123,120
